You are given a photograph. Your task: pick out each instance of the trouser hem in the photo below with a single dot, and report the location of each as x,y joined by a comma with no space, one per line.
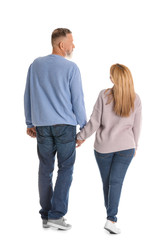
114,219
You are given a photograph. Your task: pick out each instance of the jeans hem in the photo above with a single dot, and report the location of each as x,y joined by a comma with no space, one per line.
114,219
54,218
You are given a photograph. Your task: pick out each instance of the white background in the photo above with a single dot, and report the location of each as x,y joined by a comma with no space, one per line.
105,32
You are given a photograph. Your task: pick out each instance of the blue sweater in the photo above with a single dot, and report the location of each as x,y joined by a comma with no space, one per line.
53,93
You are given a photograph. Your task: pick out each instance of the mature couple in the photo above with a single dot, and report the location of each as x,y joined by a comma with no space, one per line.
54,105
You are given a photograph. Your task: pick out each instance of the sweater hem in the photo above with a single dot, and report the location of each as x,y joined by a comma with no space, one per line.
53,123
101,150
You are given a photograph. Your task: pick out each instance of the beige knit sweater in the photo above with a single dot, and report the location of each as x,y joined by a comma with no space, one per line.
113,133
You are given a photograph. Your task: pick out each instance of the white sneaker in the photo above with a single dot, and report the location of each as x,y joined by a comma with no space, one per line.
59,223
111,227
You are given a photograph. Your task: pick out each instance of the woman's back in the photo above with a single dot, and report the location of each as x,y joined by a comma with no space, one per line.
116,116
116,133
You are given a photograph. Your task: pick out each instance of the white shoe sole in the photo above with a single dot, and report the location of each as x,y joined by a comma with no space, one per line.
111,231
50,224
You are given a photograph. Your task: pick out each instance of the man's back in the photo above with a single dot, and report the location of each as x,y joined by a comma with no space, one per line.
54,93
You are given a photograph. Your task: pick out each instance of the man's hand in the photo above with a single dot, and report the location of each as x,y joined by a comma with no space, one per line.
79,142
31,132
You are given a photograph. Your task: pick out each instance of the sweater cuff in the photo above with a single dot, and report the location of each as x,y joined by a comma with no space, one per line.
83,125
79,137
30,126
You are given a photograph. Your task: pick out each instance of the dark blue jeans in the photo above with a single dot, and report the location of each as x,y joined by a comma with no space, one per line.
113,167
60,139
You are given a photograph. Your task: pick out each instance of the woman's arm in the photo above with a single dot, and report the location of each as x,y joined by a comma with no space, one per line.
94,122
137,123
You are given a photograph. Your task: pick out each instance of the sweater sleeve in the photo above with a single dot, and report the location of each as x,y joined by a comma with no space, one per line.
94,122
77,97
137,123
27,102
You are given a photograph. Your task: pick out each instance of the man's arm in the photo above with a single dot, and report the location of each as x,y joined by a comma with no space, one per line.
31,131
77,97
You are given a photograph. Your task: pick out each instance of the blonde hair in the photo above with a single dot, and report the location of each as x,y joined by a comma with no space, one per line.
122,94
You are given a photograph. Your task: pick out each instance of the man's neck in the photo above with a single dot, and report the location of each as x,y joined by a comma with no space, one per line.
56,52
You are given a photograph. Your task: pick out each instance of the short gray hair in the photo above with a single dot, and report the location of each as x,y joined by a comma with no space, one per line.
59,32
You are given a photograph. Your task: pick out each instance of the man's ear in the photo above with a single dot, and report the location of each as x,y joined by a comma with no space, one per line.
61,45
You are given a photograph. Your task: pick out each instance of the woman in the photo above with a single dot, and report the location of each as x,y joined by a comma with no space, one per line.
116,118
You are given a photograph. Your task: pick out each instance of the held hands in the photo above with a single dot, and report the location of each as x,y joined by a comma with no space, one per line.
79,142
31,132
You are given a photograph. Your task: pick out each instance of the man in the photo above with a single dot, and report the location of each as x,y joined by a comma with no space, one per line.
54,105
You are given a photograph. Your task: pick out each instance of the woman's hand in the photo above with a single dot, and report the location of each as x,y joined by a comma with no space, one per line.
79,142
